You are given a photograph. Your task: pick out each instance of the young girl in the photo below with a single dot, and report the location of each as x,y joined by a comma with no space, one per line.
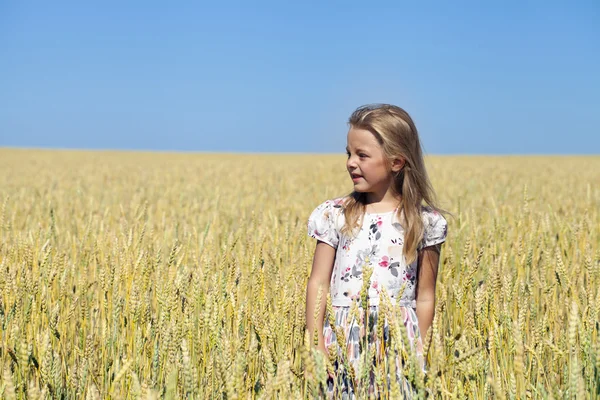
382,224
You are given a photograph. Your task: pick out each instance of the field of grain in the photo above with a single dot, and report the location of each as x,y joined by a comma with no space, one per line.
155,275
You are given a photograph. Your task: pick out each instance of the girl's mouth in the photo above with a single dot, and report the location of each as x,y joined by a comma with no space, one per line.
356,178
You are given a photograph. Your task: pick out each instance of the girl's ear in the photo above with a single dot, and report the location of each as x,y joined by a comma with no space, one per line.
397,164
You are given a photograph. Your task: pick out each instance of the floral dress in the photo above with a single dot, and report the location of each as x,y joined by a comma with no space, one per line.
378,244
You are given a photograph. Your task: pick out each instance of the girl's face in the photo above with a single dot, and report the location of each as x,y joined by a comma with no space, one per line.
367,164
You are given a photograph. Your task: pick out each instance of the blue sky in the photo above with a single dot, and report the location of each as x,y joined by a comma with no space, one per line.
478,77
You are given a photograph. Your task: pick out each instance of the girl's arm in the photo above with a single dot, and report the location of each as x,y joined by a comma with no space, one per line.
320,276
427,268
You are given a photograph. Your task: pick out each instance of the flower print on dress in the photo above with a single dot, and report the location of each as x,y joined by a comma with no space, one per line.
346,274
375,285
395,250
394,268
374,229
384,262
364,257
322,223
436,228
351,296
347,242
338,203
411,273
397,241
390,264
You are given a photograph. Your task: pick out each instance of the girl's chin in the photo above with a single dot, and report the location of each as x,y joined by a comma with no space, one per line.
360,188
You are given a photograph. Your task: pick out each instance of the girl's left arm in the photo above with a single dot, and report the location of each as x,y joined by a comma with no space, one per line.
427,268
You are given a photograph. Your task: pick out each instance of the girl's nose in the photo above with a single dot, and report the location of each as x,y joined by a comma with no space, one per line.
351,163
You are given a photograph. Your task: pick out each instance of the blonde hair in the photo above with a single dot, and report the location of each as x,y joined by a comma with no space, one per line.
395,131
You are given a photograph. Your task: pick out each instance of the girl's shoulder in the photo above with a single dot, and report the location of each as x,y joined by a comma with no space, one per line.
331,209
436,226
334,204
326,220
430,214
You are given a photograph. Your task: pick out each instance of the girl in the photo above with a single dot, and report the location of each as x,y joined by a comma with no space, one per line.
382,224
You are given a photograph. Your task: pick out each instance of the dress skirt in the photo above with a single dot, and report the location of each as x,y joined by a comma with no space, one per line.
354,331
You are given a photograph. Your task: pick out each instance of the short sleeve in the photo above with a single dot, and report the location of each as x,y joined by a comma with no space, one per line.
436,229
322,223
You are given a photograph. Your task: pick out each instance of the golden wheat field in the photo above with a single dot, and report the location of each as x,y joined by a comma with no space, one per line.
157,275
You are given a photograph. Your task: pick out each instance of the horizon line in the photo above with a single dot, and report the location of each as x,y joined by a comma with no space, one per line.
240,152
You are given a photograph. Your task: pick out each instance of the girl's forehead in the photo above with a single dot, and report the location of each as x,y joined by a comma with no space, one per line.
361,138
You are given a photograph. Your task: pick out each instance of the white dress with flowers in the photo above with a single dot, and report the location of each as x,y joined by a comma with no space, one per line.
379,244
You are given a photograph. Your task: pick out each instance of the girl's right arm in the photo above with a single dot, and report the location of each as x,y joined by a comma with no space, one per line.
320,277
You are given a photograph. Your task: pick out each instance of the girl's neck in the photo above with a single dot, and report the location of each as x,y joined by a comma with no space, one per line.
387,198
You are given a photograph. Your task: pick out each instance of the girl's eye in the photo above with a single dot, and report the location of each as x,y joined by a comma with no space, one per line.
362,155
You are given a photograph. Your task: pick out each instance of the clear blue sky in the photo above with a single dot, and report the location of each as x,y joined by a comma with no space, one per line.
511,78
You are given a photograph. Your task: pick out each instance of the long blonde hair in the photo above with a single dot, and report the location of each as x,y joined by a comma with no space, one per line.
395,131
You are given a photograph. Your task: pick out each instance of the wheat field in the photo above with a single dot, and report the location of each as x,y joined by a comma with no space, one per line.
179,275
